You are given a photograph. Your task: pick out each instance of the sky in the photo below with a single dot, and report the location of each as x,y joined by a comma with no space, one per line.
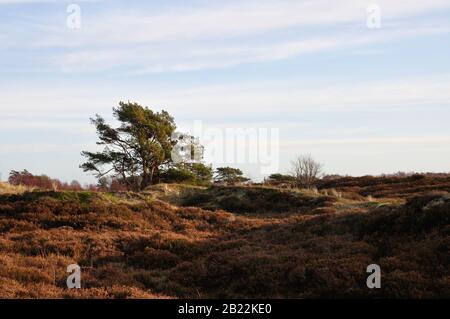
363,86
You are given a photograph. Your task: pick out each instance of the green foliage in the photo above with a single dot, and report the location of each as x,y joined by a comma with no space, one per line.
177,175
195,174
229,175
203,173
136,149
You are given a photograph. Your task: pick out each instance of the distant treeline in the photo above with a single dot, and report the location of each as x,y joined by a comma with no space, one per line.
192,174
26,178
232,176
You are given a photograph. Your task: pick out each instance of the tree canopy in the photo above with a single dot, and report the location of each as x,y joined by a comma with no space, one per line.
229,175
134,151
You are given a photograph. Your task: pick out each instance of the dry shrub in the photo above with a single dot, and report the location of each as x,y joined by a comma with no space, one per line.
335,193
6,188
323,210
353,196
402,186
253,200
143,249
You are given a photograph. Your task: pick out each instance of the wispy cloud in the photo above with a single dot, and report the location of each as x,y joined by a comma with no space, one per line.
200,56
268,98
385,141
217,35
228,20
41,1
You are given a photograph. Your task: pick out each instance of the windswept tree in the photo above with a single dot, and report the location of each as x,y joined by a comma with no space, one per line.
134,151
306,171
229,175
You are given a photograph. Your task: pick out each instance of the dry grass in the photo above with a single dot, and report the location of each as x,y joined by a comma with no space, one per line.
6,188
131,247
394,187
173,193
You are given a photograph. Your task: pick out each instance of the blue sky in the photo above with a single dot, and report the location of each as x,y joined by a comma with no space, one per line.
360,100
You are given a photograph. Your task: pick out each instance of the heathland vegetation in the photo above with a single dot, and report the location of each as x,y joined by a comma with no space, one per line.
165,225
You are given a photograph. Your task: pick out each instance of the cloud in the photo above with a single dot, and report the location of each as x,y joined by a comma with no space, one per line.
44,125
291,97
40,148
265,98
5,2
24,1
384,141
231,20
211,36
199,56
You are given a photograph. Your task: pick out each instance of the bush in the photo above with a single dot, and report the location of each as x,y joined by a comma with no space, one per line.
241,199
177,175
194,174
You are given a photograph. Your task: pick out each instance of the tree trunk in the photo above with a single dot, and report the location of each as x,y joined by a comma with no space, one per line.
147,177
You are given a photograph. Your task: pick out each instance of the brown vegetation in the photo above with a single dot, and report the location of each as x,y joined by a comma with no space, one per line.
389,186
250,200
43,182
130,245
